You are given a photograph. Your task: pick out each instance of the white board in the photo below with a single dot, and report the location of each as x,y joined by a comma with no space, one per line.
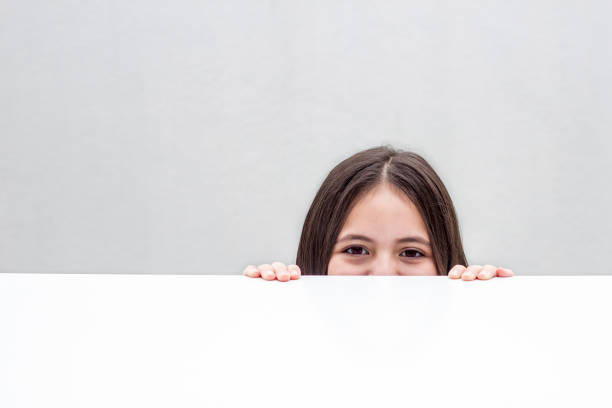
216,341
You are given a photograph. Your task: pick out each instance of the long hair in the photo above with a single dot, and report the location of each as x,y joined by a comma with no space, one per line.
357,175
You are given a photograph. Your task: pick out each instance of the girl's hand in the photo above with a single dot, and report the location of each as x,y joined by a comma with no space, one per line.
478,272
277,270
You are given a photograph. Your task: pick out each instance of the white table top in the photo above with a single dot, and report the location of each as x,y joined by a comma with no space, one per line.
216,341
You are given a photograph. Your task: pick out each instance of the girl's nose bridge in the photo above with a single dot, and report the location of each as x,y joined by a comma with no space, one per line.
384,264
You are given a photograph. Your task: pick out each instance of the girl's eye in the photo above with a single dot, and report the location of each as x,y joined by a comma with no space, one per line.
355,250
413,253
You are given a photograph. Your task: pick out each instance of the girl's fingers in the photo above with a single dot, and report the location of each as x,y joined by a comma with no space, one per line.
471,273
295,271
267,271
456,271
282,274
504,272
487,272
276,270
251,271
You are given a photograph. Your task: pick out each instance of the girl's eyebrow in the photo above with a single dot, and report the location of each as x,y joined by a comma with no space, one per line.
413,238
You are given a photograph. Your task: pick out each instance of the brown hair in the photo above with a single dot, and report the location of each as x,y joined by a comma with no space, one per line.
357,175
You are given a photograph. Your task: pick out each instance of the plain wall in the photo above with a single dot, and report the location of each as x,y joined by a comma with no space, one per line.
191,137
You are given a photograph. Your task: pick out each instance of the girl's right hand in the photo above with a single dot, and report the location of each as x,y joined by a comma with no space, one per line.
276,270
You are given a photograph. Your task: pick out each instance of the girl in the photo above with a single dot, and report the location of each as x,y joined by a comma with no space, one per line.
382,211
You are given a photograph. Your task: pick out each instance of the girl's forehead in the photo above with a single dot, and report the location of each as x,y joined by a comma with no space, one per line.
385,209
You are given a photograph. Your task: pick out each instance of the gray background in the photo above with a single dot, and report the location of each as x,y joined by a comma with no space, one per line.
191,137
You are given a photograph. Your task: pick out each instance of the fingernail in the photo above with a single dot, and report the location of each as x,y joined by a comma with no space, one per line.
468,276
268,274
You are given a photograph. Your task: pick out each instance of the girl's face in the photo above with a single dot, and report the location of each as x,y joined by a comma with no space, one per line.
384,234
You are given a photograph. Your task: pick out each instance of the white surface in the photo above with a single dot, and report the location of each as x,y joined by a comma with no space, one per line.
214,341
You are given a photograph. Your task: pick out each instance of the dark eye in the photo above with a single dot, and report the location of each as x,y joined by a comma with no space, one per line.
355,250
413,253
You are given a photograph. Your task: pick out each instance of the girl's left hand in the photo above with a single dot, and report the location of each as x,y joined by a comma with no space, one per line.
478,272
